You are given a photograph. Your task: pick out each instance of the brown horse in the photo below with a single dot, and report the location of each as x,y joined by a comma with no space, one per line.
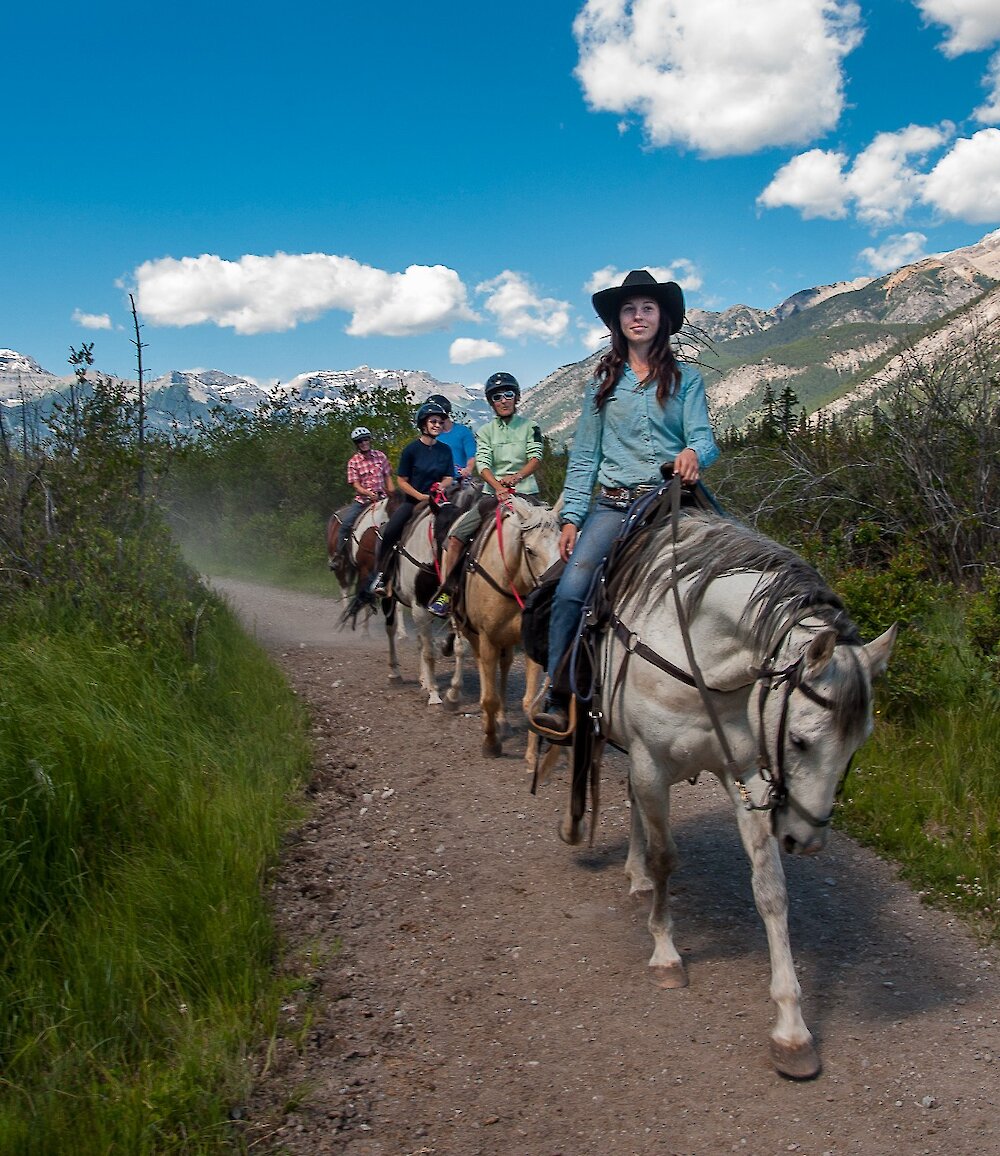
354,567
510,554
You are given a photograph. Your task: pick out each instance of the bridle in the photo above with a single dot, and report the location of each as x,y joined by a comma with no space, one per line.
779,797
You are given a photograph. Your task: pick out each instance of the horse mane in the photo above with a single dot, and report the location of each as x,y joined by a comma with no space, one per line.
710,547
534,517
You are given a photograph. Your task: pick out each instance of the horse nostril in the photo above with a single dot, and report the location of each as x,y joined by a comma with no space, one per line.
789,844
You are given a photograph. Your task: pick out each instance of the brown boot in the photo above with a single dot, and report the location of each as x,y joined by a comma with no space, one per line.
554,715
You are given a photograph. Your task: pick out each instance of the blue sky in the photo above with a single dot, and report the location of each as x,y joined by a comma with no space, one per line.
301,186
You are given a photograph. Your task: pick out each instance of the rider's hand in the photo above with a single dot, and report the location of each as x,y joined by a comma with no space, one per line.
567,540
686,466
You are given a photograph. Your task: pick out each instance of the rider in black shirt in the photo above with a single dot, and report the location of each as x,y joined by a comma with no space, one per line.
424,462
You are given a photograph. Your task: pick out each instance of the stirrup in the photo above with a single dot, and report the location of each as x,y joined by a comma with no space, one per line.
377,587
558,738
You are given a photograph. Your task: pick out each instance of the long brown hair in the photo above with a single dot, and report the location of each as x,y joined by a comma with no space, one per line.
663,367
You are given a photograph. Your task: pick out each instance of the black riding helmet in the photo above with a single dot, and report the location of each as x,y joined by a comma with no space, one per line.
441,400
499,383
428,409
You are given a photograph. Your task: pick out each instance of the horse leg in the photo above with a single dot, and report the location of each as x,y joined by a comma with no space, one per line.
423,623
506,658
792,1050
651,799
489,700
532,680
640,883
453,694
391,614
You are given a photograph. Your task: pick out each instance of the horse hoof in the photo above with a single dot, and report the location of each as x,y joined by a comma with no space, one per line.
450,704
796,1061
571,831
669,975
492,750
641,891
395,678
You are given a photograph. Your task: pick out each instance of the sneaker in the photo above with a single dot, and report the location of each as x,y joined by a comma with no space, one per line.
440,605
554,716
377,587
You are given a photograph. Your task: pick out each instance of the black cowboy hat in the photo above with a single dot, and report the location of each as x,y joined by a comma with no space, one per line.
640,283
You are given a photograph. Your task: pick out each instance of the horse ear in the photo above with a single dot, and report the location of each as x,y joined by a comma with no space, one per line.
559,504
820,650
879,651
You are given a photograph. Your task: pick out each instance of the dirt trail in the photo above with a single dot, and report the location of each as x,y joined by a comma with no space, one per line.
475,986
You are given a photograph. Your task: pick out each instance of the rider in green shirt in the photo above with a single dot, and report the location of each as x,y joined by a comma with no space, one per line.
508,452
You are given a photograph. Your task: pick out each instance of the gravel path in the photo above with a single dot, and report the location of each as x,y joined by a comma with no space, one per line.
461,982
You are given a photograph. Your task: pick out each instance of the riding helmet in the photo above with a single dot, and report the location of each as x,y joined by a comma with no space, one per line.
428,409
360,433
442,401
498,383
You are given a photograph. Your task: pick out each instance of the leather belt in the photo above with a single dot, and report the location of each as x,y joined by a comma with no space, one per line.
625,494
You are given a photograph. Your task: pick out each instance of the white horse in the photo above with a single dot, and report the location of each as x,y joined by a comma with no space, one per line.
508,557
417,576
725,652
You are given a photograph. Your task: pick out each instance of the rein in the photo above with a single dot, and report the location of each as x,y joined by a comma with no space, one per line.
476,567
501,505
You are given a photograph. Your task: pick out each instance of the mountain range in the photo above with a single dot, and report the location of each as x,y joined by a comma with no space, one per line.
837,346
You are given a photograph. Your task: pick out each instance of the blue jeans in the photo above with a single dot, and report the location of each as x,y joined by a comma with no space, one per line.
593,542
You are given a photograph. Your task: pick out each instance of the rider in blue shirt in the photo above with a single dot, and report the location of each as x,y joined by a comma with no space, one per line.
643,409
458,438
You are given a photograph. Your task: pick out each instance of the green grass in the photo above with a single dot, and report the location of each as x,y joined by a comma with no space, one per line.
142,796
927,795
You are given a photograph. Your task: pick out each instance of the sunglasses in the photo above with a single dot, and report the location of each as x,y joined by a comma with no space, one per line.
505,395
437,420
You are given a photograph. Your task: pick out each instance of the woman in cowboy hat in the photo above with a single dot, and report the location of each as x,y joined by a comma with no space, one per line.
643,409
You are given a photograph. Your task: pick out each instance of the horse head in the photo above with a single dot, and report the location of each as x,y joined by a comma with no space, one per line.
815,711
533,532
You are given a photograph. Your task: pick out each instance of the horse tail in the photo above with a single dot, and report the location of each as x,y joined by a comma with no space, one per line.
357,604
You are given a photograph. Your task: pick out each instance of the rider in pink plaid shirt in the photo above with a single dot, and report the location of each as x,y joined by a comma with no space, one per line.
369,472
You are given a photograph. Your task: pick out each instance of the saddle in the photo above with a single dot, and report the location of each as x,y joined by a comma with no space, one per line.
466,560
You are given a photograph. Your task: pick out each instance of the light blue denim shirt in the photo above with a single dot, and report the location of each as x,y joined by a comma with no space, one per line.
625,443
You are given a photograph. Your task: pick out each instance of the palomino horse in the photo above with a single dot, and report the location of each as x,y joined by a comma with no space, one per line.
725,652
513,550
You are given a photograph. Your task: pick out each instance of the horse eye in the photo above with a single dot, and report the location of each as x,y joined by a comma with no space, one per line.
799,743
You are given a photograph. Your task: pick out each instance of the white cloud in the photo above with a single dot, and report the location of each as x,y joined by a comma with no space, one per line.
465,350
593,337
894,252
989,113
683,271
965,183
883,183
520,312
813,182
92,320
272,294
972,24
722,78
